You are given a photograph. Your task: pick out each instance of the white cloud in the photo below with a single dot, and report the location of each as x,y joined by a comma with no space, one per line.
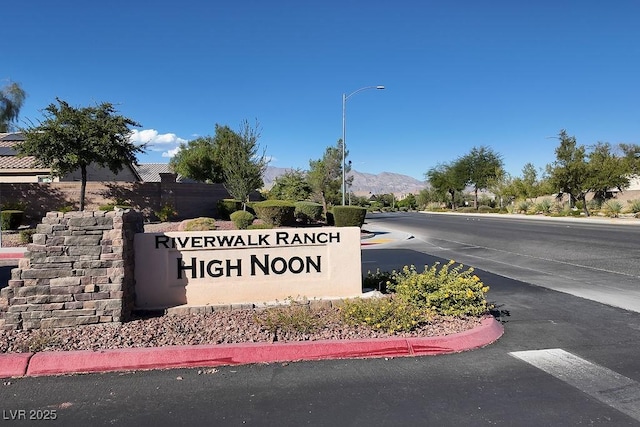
151,137
171,153
168,143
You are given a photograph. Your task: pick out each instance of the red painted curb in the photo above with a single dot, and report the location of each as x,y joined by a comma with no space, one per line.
55,363
14,364
11,255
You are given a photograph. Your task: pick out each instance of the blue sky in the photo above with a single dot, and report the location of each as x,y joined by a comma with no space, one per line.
458,74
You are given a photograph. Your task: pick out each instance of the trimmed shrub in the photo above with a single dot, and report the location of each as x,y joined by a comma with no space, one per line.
226,207
349,216
275,212
26,236
242,219
11,219
308,212
200,224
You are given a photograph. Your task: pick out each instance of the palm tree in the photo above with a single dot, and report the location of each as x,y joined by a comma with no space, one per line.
11,98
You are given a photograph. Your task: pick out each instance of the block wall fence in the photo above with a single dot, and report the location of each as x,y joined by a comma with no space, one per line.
79,270
190,200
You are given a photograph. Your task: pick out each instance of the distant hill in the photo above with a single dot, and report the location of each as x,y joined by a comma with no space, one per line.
365,183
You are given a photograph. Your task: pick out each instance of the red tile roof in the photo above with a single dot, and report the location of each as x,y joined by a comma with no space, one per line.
11,161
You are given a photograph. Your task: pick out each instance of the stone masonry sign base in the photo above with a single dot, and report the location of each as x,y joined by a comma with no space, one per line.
79,270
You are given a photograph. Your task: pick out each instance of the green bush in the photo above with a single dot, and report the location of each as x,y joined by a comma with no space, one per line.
166,213
200,224
226,207
308,212
447,290
388,314
26,236
375,206
275,212
242,219
11,219
349,216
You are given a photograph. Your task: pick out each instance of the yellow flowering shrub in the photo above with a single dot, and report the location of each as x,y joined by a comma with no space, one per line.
447,289
386,314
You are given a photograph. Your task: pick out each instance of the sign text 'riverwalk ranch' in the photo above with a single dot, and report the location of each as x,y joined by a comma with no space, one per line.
246,266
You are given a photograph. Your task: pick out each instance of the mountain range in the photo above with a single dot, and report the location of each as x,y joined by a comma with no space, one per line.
364,183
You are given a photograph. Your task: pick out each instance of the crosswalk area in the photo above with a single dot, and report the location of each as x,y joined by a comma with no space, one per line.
599,382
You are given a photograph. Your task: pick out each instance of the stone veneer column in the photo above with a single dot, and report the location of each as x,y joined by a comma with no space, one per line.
79,270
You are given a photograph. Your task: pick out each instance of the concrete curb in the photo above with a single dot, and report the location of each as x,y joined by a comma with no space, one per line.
133,359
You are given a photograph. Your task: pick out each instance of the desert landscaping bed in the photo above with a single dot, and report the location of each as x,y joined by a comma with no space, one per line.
218,327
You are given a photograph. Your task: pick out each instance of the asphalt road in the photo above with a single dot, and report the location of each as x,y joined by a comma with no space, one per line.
563,361
595,260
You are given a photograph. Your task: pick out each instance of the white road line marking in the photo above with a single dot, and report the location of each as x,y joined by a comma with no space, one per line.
603,384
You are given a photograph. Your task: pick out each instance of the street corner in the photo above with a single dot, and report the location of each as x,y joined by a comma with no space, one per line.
369,238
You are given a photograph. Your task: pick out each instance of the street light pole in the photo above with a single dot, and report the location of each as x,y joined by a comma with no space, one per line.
344,131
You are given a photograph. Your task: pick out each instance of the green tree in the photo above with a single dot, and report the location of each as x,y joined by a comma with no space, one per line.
606,171
631,153
408,202
569,172
11,98
447,179
325,176
292,185
242,165
199,160
481,166
72,138
505,188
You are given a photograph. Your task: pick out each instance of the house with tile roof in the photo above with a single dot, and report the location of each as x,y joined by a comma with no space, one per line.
25,169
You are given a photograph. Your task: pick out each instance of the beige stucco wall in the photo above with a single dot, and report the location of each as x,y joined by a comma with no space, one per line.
246,266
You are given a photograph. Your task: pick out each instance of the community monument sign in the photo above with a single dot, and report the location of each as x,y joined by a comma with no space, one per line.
246,266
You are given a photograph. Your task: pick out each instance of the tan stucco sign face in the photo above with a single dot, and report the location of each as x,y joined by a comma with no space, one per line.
246,266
